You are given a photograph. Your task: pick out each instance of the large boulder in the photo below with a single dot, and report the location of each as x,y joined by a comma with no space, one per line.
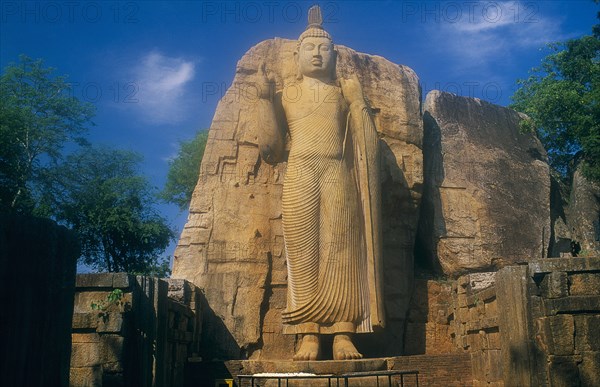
584,214
232,244
486,200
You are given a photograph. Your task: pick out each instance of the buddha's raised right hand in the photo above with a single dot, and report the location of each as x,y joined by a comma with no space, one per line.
264,84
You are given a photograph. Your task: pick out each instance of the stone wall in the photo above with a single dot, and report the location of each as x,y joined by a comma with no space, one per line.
476,328
527,325
37,281
428,324
458,318
565,321
142,338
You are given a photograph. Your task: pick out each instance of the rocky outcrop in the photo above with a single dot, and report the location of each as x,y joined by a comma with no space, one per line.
232,244
487,187
584,214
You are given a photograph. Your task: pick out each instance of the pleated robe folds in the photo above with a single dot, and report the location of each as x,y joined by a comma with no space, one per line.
334,284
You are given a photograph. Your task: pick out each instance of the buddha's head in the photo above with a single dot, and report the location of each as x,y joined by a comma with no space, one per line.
315,54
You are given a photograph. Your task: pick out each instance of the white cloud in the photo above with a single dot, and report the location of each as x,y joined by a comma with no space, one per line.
161,87
492,31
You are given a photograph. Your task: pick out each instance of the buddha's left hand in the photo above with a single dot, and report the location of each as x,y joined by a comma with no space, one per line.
352,90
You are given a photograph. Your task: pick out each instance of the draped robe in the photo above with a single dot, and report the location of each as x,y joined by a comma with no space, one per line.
329,286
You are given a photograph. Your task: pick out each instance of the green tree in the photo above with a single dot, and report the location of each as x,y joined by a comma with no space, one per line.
184,171
38,118
101,195
562,98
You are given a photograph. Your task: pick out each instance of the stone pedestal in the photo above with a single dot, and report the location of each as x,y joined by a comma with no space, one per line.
433,370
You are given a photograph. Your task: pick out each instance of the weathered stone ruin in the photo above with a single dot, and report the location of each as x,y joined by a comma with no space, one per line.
145,336
481,284
467,197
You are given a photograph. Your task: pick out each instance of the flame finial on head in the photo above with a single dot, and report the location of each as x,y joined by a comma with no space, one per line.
315,26
315,18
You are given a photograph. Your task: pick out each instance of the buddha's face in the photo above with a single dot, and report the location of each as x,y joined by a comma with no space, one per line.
316,58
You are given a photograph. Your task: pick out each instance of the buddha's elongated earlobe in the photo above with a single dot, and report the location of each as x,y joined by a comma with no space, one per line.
297,62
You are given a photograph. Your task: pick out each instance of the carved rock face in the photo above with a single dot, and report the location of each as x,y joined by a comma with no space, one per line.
232,244
486,202
584,214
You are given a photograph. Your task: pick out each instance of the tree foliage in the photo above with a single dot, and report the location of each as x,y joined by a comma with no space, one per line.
184,170
47,168
562,98
101,195
38,117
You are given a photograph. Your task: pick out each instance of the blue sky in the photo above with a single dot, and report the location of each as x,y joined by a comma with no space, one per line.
155,70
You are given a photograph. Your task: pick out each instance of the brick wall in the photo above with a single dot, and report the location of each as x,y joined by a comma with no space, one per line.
450,370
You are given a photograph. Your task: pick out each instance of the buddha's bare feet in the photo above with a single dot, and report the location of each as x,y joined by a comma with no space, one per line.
343,349
309,349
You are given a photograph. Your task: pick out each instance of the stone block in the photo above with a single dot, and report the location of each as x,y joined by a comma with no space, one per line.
84,300
462,300
587,333
513,318
439,314
110,322
85,338
572,304
94,280
462,314
584,284
556,333
548,265
437,339
121,280
475,342
563,370
85,320
111,348
494,340
554,285
589,369
493,365
480,281
478,364
86,354
85,376
536,306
